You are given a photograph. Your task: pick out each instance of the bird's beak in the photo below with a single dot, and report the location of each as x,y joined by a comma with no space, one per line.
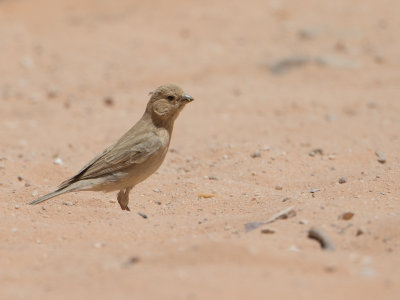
187,98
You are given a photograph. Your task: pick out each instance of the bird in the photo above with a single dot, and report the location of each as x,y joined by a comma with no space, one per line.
134,156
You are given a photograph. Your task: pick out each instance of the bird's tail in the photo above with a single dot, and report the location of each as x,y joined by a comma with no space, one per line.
48,196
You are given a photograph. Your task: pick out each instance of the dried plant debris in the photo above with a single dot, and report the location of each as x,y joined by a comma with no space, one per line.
283,214
322,238
289,63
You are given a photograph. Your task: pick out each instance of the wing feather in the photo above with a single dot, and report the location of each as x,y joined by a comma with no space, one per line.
119,156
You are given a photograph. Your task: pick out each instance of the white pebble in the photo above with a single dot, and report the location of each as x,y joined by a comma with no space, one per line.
58,161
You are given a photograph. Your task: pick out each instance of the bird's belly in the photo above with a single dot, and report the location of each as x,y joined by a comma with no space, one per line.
133,175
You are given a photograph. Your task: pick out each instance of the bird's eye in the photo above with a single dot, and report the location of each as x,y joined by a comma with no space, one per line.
170,98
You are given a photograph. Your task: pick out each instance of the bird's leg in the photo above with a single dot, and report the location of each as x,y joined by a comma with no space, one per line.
123,198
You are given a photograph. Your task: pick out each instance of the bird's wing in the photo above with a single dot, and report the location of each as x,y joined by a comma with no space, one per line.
123,154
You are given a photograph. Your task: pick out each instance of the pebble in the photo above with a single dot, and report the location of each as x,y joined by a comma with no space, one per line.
316,151
206,196
20,177
35,193
212,177
108,101
359,232
99,245
347,216
255,155
278,188
342,180
68,203
52,93
252,225
381,157
144,216
157,190
58,161
202,221
16,206
131,261
268,231
14,229
314,191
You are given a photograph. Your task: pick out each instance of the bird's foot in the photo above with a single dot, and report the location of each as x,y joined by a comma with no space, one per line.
123,198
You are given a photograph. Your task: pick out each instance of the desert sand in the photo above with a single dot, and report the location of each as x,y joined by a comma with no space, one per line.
293,100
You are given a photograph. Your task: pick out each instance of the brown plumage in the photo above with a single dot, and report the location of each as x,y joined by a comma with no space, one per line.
136,155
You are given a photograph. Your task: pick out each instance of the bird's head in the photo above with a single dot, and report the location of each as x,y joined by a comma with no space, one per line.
166,102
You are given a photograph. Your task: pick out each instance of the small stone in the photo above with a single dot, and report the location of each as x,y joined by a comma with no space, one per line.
278,188
316,151
255,155
52,93
67,203
252,225
14,229
286,199
58,161
206,195
16,206
108,101
347,216
202,221
99,245
381,157
359,232
212,177
329,269
27,183
314,191
158,202
342,180
268,231
35,193
113,201
20,177
156,190
293,248
131,261
303,222
26,62
144,216
332,157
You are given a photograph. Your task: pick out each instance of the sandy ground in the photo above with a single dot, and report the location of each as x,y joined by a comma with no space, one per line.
272,81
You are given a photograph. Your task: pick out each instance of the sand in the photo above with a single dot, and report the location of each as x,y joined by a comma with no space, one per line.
290,97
